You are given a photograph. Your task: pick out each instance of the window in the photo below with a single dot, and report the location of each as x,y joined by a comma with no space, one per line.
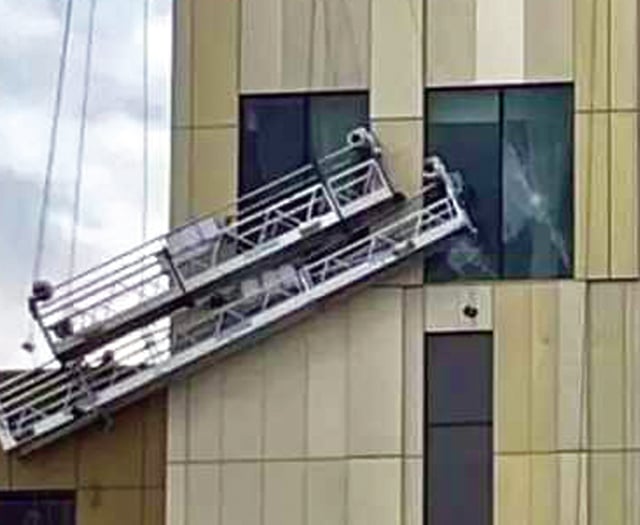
280,133
513,148
41,507
459,475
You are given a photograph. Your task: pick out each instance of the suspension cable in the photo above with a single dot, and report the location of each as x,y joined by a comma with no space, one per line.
81,140
145,119
28,345
53,137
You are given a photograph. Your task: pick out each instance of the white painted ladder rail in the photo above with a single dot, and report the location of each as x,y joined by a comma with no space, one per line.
42,405
166,273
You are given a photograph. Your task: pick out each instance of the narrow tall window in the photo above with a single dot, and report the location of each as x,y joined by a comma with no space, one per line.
459,466
513,149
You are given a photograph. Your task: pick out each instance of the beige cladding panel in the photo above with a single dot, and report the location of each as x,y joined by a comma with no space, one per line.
241,493
374,495
205,416
544,350
203,494
450,41
285,390
204,171
592,196
573,482
576,488
340,45
213,174
113,458
413,334
243,405
304,44
154,447
326,489
262,53
176,495
413,492
284,493
396,58
541,489
53,466
375,372
544,489
548,39
607,488
402,141
624,54
98,506
591,54
512,490
632,487
572,367
632,365
512,347
500,59
180,176
153,507
215,62
445,304
492,41
177,407
625,220
326,339
606,366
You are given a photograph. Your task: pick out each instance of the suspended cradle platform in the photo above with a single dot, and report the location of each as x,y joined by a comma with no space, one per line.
41,405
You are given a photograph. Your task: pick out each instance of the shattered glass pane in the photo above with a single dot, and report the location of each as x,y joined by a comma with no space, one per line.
513,149
537,184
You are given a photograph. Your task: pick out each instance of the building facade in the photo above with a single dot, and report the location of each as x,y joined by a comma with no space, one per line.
97,476
394,407
496,382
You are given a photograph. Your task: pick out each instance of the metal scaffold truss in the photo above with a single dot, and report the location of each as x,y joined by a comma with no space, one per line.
171,271
41,405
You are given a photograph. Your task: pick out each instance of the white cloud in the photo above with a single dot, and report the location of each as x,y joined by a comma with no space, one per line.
111,193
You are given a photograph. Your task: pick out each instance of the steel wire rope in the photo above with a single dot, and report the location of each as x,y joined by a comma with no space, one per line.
46,187
145,119
80,157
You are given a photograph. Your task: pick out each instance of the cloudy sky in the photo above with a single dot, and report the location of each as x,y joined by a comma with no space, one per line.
111,201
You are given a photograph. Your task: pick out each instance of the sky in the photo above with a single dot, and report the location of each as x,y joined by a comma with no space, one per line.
111,197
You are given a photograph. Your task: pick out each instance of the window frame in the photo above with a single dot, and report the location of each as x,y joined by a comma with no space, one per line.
500,90
472,422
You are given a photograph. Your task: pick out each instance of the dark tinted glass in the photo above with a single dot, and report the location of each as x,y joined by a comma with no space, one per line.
463,129
41,508
331,117
459,472
459,373
281,133
274,139
459,476
537,187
